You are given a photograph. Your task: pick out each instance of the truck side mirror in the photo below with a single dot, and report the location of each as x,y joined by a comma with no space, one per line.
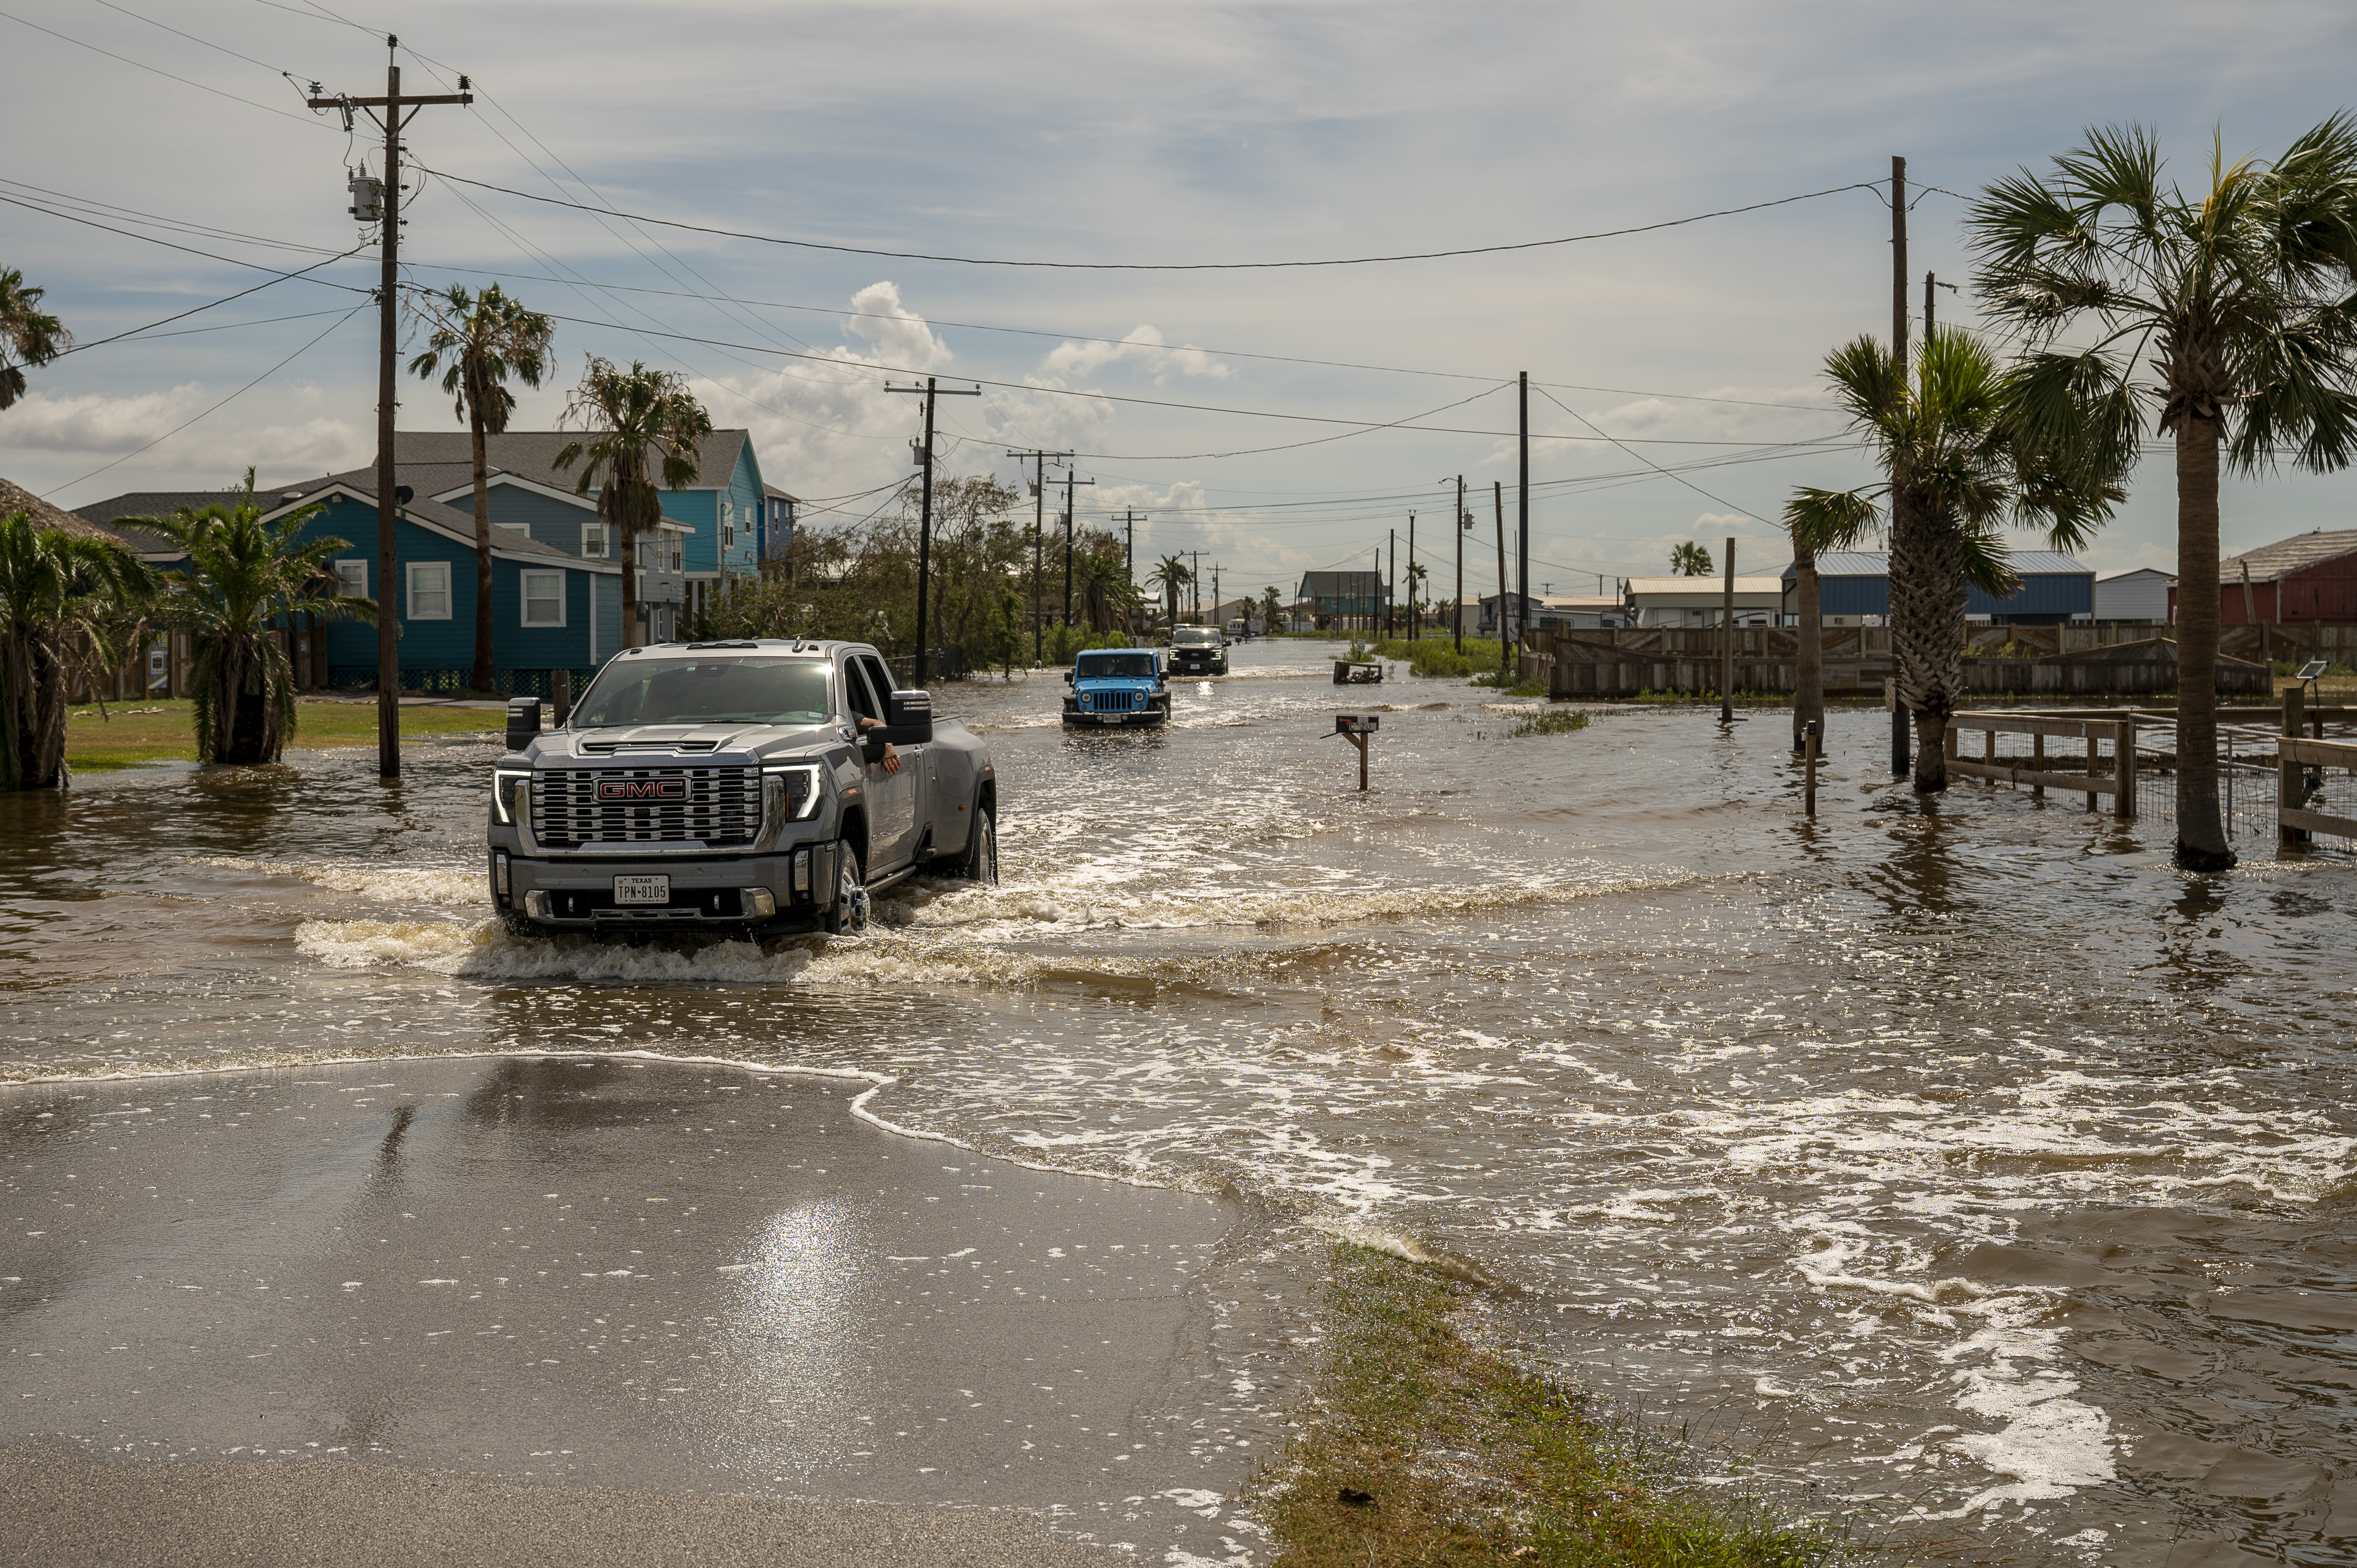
908,719
523,722
1068,678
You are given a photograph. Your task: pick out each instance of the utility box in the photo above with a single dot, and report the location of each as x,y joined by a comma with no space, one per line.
368,198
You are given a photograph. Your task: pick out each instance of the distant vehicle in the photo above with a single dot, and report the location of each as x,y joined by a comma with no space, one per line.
711,786
1198,651
1117,687
1238,631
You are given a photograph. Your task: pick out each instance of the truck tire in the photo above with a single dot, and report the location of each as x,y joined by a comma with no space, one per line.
847,915
980,862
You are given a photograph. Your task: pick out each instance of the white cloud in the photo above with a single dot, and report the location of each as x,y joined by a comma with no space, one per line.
1142,346
94,422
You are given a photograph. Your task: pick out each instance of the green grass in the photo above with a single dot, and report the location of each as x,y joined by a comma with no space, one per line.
1549,721
1428,1448
166,731
1509,686
1437,655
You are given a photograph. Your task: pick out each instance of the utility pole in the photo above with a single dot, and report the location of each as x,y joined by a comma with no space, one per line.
925,510
1129,542
1899,262
1215,596
1523,506
1069,480
1726,644
1457,605
1195,587
1391,585
1413,617
1039,461
387,557
1931,283
1505,644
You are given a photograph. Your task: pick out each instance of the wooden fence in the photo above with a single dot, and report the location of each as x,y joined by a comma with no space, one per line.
2090,778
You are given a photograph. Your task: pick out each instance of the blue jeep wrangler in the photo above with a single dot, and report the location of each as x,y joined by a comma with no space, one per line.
1117,686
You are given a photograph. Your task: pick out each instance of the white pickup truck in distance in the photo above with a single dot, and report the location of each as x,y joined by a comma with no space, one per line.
733,786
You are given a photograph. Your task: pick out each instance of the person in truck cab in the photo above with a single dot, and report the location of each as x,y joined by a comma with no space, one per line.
864,714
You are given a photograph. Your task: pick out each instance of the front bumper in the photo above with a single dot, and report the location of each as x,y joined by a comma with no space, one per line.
576,892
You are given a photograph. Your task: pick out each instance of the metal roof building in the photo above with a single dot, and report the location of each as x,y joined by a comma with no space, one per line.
1853,584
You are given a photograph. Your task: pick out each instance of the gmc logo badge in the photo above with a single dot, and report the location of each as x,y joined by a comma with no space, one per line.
642,789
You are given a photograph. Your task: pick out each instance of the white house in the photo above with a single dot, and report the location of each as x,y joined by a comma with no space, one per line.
2141,593
1699,601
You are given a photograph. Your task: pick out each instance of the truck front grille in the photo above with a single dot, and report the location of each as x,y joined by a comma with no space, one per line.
1110,701
573,806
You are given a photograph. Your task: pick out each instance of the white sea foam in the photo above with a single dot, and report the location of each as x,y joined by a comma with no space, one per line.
455,887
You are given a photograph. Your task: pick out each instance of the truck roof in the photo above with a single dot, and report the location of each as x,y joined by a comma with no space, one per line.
813,646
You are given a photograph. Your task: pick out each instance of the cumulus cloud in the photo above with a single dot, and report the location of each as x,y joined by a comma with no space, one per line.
1144,345
95,423
52,438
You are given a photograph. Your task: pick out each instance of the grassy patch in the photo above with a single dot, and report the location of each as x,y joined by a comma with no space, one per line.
1438,656
1428,1448
166,731
1497,681
1549,721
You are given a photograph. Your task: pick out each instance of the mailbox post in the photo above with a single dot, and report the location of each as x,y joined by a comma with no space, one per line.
1356,728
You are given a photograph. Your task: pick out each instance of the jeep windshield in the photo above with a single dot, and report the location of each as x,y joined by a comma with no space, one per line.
706,691
1137,666
1194,637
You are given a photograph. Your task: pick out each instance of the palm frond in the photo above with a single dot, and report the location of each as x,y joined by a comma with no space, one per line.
1822,521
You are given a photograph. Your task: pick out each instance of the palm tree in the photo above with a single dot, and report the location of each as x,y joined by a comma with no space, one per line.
1815,531
52,585
32,336
635,418
1169,574
1272,607
2239,293
1959,468
478,342
245,577
1417,573
1690,560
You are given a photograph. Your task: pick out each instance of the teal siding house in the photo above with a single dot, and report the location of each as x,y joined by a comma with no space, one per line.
550,609
722,526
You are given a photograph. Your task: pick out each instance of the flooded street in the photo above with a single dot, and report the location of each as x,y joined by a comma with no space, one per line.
1961,1163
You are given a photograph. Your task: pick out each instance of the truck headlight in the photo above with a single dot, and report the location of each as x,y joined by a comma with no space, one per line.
799,780
511,794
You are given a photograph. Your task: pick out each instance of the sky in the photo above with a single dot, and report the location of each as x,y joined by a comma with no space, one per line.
1256,414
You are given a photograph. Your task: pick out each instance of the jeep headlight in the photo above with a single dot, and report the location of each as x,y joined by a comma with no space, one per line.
511,794
798,782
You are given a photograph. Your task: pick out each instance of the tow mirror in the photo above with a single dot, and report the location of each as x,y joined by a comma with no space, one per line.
908,719
1068,676
523,722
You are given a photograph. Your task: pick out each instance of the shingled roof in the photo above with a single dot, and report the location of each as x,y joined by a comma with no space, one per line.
532,453
151,503
2269,562
15,498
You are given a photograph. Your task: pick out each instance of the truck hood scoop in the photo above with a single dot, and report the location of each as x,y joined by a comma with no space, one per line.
645,743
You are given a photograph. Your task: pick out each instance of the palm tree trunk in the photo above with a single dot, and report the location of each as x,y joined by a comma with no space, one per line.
1927,631
485,677
1808,675
48,726
630,545
2201,835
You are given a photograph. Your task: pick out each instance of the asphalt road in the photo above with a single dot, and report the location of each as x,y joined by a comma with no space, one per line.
503,1310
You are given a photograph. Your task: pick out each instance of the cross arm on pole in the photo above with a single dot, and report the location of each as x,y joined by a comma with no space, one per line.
404,100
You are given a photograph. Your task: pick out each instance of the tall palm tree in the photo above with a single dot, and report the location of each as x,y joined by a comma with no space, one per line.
639,422
245,577
34,338
1690,560
478,342
2228,308
1959,469
1271,606
1815,530
1170,576
51,583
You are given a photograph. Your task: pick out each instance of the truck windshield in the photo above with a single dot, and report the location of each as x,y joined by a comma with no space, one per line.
1100,665
1193,636
706,691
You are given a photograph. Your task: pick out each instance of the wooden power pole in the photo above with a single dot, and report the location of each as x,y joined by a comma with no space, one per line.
1726,643
925,511
1457,605
388,554
1039,461
1505,643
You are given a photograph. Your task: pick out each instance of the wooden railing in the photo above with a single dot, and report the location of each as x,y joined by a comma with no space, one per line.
2115,776
2295,755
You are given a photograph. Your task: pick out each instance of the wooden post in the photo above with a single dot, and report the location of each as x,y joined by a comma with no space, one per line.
2123,801
1809,776
2291,792
1360,741
1726,643
1899,762
560,688
2037,765
1950,749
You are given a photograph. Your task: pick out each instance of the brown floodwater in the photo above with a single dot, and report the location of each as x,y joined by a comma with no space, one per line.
1956,1166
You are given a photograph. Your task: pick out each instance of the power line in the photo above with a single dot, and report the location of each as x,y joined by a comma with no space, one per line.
257,288
183,80
1163,266
192,38
1642,458
224,402
152,239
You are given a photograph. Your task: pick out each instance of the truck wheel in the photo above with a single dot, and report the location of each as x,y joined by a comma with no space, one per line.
848,916
980,863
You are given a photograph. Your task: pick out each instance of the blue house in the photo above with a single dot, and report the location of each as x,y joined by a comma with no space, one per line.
550,609
721,527
1854,589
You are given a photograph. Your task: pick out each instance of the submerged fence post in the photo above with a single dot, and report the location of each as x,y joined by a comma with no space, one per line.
2291,788
1900,760
2124,800
1809,783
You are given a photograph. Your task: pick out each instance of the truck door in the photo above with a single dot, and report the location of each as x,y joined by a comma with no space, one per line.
891,796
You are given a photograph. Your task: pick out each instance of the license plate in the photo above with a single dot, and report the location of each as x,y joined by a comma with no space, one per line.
1108,718
642,890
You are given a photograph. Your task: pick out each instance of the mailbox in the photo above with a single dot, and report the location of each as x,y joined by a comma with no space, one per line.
1357,724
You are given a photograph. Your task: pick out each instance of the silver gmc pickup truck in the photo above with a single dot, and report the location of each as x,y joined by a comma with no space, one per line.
711,786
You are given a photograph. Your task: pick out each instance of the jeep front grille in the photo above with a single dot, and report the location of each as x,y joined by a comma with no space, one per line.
1110,701
646,805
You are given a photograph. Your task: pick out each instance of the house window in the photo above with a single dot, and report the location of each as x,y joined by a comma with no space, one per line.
351,579
593,539
429,590
727,525
544,599
678,553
